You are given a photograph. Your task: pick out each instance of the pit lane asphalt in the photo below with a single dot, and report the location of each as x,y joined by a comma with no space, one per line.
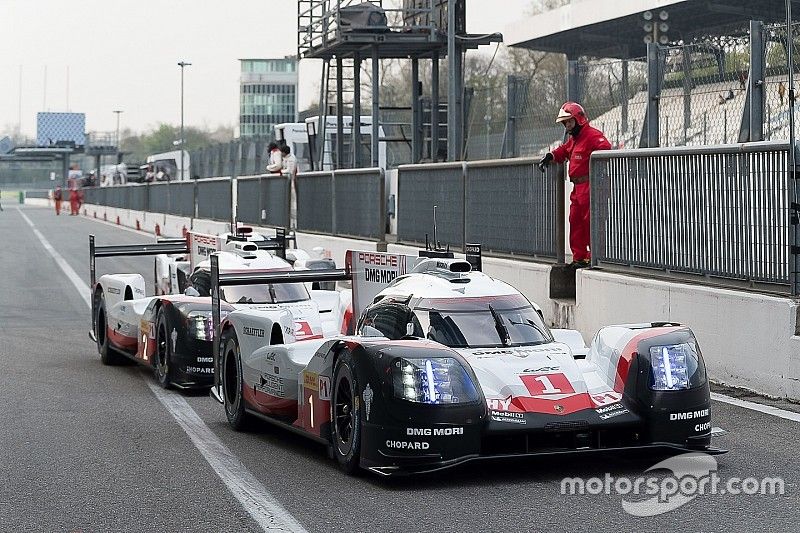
87,447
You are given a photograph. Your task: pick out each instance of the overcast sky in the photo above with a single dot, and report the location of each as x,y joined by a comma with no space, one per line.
123,54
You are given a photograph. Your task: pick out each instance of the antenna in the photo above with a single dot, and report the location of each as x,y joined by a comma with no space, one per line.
435,242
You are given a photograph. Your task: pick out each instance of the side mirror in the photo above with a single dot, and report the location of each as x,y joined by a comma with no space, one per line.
191,291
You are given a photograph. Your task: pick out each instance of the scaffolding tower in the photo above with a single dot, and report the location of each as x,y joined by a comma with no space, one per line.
343,33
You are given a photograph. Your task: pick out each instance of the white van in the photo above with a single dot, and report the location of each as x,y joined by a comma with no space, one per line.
312,125
167,166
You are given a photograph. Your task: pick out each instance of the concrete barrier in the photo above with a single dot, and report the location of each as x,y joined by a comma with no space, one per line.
748,340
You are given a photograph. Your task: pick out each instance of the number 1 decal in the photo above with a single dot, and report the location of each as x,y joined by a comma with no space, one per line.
547,384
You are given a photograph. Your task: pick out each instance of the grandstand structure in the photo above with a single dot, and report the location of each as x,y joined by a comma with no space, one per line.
716,73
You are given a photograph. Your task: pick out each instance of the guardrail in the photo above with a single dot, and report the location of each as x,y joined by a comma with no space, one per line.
507,205
718,214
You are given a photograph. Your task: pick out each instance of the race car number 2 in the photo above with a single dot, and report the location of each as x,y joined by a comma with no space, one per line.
547,384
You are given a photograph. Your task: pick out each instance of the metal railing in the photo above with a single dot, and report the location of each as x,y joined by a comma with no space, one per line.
263,200
507,205
716,214
343,202
723,215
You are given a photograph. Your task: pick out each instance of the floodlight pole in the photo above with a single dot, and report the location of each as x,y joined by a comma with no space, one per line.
116,140
182,64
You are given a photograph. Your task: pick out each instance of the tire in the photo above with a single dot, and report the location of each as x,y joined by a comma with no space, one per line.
232,382
162,362
346,415
108,356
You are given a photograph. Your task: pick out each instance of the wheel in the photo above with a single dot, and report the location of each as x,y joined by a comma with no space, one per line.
162,365
346,415
108,356
232,381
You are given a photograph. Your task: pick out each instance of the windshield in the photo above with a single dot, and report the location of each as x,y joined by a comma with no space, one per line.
271,293
485,324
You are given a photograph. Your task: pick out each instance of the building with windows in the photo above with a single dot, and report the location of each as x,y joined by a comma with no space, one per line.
267,95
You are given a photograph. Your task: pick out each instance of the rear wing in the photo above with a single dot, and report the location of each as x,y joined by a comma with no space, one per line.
164,246
256,278
202,245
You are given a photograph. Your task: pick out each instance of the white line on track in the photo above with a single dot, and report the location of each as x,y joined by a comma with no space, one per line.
761,408
83,288
254,497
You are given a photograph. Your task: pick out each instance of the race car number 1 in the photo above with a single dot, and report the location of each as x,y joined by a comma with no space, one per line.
547,384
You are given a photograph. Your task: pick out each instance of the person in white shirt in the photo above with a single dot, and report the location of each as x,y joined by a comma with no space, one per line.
275,164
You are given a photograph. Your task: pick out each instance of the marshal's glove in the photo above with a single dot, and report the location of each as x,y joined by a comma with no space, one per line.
545,161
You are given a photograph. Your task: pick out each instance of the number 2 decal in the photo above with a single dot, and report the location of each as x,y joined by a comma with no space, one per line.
547,384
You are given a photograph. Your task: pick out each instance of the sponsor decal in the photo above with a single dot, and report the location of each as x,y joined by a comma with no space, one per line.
367,395
205,359
253,332
271,385
377,275
689,415
702,427
113,290
378,259
505,416
608,408
199,370
310,381
325,390
174,337
540,370
405,445
137,290
205,251
271,356
499,404
606,398
434,432
610,411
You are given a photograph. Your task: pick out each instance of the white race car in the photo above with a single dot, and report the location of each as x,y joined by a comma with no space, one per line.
172,332
449,365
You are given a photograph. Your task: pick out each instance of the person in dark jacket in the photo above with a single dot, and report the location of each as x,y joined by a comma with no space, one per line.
583,140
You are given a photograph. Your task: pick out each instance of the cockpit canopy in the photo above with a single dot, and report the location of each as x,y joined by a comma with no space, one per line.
470,322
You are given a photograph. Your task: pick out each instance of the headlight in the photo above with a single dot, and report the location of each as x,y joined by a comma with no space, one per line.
200,325
676,367
439,380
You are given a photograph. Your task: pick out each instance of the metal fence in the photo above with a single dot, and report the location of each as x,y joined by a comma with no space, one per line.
263,200
507,205
214,199
718,214
343,202
314,210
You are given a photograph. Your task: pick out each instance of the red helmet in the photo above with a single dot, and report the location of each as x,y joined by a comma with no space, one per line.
572,110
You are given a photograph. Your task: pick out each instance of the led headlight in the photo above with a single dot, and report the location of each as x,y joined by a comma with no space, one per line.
436,380
200,325
675,367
